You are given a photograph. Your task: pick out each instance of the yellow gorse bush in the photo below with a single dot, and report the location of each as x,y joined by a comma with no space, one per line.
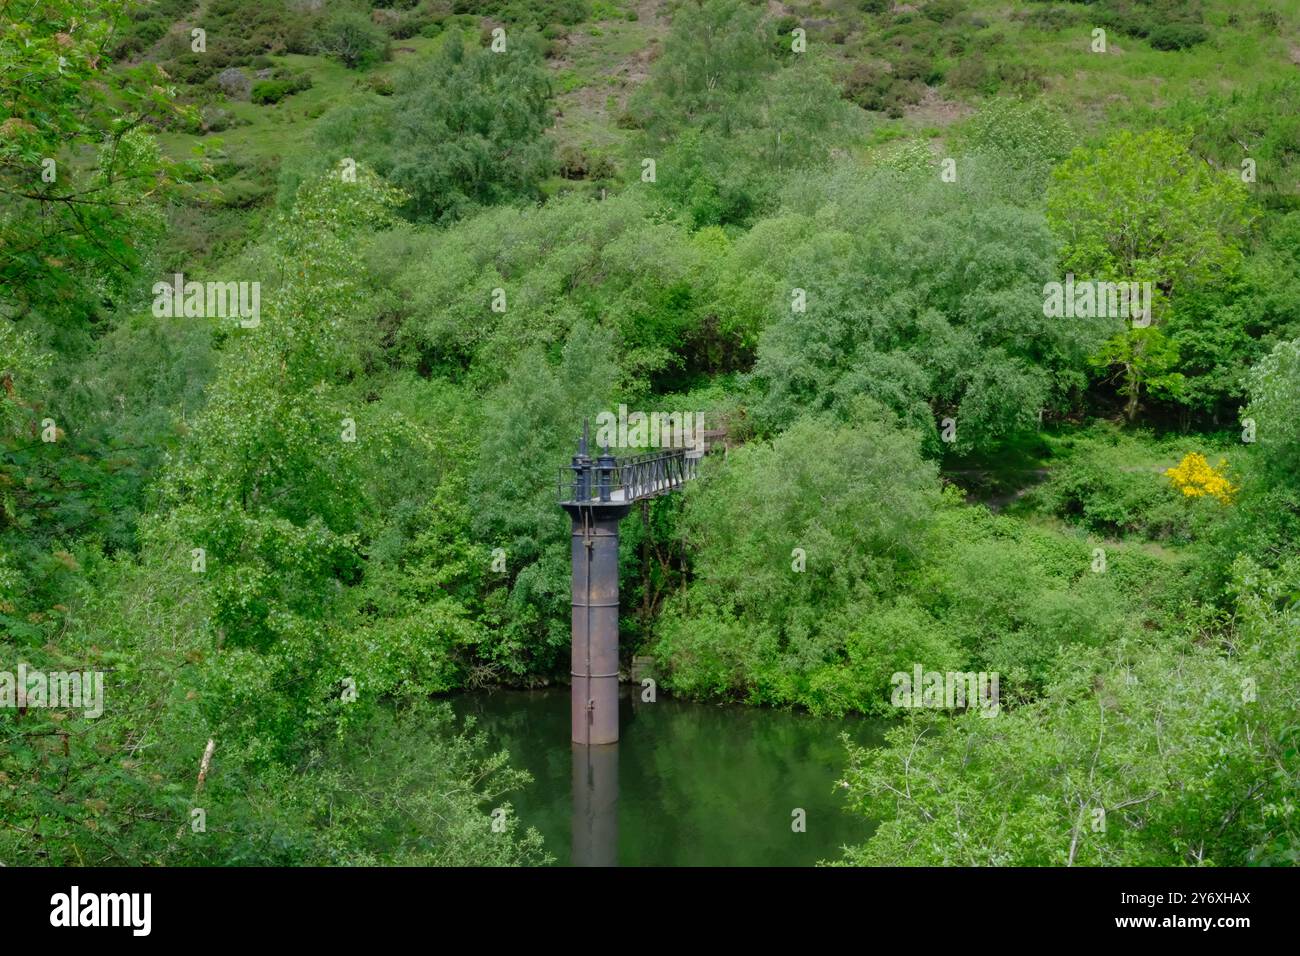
1196,478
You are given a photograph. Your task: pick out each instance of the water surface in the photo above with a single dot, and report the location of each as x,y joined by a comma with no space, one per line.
688,784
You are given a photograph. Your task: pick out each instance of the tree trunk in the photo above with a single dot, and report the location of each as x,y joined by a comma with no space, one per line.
1132,387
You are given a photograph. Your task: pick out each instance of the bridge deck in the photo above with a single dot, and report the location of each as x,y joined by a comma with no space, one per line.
609,480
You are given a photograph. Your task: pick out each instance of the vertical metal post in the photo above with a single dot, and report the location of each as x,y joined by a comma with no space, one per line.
581,467
605,474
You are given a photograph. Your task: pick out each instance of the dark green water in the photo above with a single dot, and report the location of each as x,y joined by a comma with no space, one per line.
688,784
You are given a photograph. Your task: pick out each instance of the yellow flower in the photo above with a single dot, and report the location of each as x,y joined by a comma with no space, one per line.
1195,478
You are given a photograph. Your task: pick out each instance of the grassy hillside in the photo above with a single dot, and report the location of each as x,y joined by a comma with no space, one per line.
915,69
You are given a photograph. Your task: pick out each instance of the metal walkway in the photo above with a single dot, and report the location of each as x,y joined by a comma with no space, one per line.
609,480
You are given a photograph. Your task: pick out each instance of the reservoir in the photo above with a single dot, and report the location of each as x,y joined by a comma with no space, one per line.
687,784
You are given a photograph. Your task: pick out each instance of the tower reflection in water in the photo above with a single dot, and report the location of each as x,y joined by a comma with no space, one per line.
595,805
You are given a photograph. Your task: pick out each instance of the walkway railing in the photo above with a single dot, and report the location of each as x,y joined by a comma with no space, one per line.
611,480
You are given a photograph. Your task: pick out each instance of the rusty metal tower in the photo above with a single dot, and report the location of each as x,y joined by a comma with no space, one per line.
597,494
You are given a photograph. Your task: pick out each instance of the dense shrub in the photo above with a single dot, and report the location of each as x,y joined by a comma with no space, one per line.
1113,483
1167,762
238,32
462,129
536,13
574,163
140,37
1000,595
1267,117
728,117
1166,24
867,85
352,38
1052,17
973,73
266,92
856,500
1176,36
896,312
941,11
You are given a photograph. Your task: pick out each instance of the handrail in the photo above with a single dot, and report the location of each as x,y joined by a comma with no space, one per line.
607,479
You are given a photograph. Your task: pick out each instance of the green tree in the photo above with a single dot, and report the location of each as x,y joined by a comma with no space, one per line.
530,429
351,37
726,118
935,311
1224,329
1143,208
465,128
716,54
857,500
254,647
81,179
21,378
1264,521
1026,138
609,264
80,175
